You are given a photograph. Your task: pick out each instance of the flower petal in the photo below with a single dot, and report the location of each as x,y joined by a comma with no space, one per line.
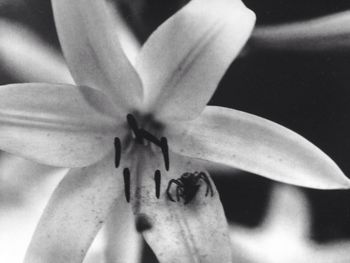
195,232
123,242
19,218
183,61
127,38
58,125
75,213
21,178
256,145
328,33
93,52
28,58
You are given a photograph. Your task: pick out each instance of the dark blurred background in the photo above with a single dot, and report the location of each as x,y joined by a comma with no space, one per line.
306,92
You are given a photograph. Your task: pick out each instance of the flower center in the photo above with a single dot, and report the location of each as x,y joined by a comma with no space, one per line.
142,136
186,186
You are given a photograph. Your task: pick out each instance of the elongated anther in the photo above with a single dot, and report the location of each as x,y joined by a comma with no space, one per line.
126,174
157,179
118,151
149,137
165,151
134,127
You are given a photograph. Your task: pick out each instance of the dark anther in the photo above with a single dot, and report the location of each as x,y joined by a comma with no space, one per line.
157,179
126,174
165,151
142,223
141,134
118,151
134,127
188,185
149,137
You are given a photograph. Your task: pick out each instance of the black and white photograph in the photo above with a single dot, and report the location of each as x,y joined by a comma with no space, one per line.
174,131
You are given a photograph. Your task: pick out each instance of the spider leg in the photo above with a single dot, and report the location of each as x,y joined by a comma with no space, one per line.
172,181
168,190
205,178
178,193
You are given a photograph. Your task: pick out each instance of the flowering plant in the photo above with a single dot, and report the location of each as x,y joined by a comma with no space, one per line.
136,136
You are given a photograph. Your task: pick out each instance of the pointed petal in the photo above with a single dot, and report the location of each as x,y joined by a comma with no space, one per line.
328,33
58,125
75,213
255,145
28,58
195,232
92,49
183,61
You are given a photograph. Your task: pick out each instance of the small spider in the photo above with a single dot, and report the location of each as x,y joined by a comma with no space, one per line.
188,185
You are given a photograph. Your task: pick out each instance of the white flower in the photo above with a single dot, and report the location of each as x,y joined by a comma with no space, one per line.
130,133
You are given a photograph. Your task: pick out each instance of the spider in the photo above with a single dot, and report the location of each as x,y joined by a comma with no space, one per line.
188,185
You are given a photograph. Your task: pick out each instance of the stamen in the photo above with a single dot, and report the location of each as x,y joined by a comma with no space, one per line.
157,179
118,150
134,127
142,134
126,174
165,151
149,137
